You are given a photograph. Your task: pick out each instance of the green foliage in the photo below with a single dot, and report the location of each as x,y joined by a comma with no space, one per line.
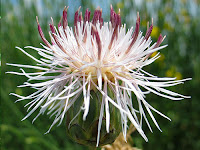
177,19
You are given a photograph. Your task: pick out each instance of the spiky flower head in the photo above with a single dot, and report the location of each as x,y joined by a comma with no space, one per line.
96,57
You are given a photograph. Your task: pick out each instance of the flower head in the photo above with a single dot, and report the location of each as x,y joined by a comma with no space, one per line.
96,56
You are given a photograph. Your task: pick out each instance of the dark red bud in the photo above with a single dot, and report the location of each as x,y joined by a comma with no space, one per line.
159,41
97,16
52,28
148,33
76,18
80,18
96,34
87,16
59,24
135,34
42,35
65,22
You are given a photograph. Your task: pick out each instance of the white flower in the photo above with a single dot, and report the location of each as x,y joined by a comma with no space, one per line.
96,55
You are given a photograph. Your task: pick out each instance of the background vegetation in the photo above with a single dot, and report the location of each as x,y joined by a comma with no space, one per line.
178,20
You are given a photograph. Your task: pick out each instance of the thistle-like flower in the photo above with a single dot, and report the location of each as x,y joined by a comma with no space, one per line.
96,57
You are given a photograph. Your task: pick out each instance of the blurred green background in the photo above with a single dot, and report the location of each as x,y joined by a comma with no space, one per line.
179,20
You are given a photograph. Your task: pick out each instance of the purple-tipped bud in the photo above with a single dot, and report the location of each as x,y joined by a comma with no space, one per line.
86,19
76,18
116,23
97,16
135,34
59,24
87,16
80,17
52,26
42,34
65,22
148,33
119,23
112,14
96,34
159,41
115,19
75,22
